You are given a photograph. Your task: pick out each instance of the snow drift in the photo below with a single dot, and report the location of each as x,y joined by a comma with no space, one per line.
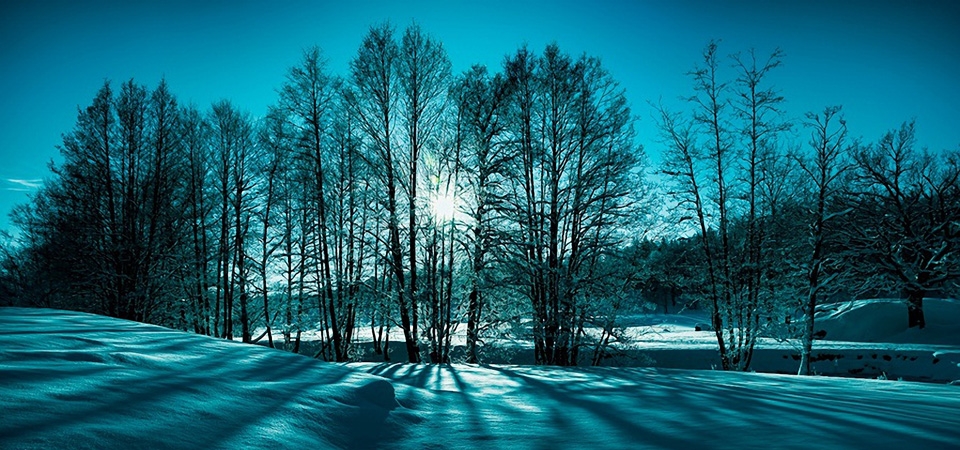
72,380
885,320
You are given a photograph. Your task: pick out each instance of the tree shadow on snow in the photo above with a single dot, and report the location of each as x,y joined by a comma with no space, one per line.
172,389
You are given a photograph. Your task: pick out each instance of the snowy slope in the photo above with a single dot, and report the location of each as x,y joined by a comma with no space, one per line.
71,380
518,407
885,320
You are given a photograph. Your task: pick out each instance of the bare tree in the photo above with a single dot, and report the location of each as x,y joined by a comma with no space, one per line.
164,224
310,97
573,135
106,227
197,209
824,170
275,140
441,233
75,218
350,218
717,156
422,72
713,181
485,158
904,225
234,154
373,100
758,108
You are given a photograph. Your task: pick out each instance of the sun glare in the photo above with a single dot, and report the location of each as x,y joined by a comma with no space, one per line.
444,206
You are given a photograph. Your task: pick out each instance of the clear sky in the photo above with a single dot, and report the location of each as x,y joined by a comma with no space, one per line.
884,61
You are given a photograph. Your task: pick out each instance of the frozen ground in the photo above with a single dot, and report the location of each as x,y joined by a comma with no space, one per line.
72,380
864,339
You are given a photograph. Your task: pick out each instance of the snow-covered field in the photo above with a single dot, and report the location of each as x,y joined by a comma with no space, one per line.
73,380
864,339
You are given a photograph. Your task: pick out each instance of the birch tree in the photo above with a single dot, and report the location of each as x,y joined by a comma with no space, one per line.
373,99
485,158
422,73
715,175
824,169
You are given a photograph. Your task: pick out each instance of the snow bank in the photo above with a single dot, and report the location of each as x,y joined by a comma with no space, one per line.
885,320
70,380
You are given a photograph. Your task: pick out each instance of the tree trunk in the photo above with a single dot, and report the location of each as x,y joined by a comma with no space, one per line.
808,324
915,316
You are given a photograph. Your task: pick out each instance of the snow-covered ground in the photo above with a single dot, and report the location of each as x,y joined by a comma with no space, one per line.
73,380
864,339
885,320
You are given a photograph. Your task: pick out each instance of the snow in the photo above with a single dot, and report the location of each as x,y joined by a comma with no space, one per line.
865,339
539,407
885,320
73,380
76,380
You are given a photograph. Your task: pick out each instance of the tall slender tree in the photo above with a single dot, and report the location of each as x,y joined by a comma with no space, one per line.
824,169
197,211
422,71
573,135
485,158
234,156
373,99
758,108
715,175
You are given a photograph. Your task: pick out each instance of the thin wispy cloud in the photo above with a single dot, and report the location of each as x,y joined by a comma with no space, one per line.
24,185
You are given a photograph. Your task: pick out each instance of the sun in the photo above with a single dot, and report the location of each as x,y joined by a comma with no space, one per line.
443,205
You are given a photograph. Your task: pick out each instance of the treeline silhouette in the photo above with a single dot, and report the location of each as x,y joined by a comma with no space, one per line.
498,205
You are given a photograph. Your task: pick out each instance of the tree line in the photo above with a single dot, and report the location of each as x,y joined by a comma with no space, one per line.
321,214
503,205
776,228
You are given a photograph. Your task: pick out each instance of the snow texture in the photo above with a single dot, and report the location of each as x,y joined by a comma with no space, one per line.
864,339
73,380
885,320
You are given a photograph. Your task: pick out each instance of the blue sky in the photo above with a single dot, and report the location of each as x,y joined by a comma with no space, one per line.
884,61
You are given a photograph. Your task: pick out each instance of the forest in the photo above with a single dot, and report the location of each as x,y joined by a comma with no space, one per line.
509,203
